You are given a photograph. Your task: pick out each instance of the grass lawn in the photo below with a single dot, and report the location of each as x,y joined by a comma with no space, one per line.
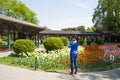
10,61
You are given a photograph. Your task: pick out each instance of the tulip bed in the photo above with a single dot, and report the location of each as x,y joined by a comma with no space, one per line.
89,57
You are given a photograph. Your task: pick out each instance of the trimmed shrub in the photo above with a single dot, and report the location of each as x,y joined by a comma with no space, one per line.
23,46
53,43
89,41
65,41
81,42
100,41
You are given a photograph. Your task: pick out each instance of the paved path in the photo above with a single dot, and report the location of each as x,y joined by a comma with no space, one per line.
13,73
6,53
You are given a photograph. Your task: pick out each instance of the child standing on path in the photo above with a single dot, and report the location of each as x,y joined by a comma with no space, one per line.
111,59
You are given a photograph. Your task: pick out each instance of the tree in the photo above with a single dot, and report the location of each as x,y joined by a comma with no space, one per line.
90,29
18,10
106,15
79,28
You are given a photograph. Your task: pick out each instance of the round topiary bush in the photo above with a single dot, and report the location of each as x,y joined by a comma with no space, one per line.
53,43
23,45
65,41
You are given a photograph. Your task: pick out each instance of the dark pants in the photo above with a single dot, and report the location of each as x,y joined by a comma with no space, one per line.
74,63
112,64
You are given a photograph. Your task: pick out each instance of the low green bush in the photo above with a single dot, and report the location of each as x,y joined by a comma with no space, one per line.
65,41
53,43
81,42
100,41
89,41
23,46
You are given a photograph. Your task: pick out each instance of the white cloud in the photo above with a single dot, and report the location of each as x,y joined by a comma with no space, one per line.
79,4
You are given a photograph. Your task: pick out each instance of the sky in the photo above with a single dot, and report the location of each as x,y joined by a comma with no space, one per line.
58,14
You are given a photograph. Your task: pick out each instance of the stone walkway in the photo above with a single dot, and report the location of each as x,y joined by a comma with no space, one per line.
13,73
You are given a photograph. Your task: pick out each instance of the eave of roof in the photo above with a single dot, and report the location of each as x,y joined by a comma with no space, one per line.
10,19
68,32
58,32
90,33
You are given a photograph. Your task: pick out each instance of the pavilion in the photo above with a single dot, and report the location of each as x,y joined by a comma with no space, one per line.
17,29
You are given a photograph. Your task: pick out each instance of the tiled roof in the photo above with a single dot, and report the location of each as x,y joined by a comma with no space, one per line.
59,32
68,32
89,33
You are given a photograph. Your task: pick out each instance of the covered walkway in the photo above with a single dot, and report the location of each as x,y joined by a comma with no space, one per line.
12,29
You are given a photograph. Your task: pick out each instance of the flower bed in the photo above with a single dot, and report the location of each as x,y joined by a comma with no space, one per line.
112,48
45,61
89,57
118,45
91,54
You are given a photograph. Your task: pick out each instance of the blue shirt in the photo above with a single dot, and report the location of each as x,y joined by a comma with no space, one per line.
74,48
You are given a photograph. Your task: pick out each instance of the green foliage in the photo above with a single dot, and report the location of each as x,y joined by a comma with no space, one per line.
17,9
106,15
89,41
79,28
81,42
96,66
90,29
65,41
23,46
53,43
100,41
